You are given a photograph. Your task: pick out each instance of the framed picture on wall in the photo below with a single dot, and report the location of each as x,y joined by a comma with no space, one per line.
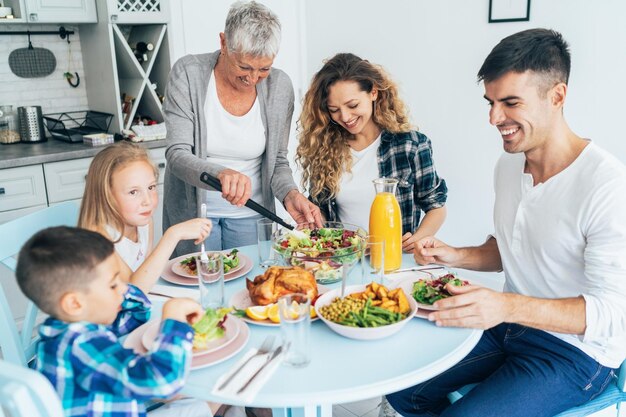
509,11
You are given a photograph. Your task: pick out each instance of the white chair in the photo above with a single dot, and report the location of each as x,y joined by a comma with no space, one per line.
19,347
26,393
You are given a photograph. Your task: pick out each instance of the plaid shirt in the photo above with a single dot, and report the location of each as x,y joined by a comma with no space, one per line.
95,375
408,157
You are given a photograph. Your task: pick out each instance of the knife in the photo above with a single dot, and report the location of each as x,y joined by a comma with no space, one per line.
208,179
276,352
416,268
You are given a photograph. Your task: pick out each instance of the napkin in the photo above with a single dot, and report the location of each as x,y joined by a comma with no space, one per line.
168,291
256,362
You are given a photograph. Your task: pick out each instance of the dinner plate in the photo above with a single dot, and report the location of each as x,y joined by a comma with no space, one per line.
178,269
133,341
231,331
241,300
407,285
169,275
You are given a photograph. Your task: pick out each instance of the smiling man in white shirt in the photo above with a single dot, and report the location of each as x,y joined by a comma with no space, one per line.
556,333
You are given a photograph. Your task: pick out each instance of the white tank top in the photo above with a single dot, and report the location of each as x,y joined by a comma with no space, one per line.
238,143
133,253
356,190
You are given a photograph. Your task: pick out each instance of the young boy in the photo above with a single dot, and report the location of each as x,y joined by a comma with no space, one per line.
73,275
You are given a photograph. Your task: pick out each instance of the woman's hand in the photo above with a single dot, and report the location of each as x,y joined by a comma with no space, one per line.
236,187
301,209
197,229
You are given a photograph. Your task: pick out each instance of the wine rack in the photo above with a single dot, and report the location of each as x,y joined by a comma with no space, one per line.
119,82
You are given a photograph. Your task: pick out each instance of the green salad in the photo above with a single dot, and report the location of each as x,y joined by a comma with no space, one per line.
427,291
210,327
231,261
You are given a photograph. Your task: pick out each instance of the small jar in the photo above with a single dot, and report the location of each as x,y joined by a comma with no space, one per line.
9,125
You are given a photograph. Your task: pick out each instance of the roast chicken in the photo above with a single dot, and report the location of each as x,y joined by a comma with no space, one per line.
278,281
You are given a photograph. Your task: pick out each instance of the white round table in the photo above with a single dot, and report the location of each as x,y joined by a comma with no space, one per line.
341,369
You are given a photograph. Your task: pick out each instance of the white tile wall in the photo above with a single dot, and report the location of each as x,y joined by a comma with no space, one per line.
52,92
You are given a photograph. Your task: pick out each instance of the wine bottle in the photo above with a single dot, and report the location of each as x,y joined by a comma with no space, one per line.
140,50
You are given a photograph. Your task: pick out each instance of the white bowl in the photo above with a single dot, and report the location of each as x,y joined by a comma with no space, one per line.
361,333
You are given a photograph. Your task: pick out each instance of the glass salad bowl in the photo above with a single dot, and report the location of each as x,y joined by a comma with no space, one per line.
329,252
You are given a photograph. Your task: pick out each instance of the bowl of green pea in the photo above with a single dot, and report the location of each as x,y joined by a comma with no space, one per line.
357,317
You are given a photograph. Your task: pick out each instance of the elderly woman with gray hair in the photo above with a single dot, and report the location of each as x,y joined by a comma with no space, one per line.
229,113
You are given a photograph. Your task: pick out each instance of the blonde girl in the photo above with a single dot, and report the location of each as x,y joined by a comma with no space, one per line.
354,128
119,201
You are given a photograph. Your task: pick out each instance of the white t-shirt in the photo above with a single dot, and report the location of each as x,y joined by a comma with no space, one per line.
238,143
133,253
356,190
567,237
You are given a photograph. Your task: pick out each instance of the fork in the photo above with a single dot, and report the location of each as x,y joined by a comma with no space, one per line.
203,255
265,348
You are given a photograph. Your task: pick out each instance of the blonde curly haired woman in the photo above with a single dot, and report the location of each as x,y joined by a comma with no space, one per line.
354,128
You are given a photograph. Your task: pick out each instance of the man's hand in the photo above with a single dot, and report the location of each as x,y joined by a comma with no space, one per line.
472,306
430,250
301,209
236,187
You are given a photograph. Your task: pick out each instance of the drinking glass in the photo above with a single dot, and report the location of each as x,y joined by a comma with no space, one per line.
295,327
211,279
265,229
373,260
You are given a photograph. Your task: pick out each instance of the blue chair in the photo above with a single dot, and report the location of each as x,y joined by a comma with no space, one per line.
614,395
19,347
27,393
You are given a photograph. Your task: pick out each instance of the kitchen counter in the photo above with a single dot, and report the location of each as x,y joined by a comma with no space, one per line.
22,154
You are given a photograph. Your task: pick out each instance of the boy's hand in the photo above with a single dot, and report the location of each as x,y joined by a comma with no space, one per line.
184,310
197,229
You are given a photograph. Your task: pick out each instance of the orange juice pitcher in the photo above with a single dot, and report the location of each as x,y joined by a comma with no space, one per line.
386,221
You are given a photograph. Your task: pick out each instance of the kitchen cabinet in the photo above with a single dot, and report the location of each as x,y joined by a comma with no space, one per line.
127,87
137,11
52,11
22,187
33,187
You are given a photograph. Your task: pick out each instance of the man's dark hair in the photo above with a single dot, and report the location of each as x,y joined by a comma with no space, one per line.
57,260
542,51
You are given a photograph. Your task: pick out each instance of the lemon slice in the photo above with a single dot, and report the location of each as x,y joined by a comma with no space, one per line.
257,312
272,313
313,312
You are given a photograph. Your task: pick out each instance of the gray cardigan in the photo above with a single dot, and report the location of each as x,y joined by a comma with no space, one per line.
187,133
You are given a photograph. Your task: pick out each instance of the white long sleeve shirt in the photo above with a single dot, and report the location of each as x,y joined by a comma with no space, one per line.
567,237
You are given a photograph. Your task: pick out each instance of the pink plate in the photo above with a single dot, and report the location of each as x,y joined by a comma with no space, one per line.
169,276
178,269
133,341
231,332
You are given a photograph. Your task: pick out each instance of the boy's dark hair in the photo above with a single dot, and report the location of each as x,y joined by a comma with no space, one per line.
57,260
542,51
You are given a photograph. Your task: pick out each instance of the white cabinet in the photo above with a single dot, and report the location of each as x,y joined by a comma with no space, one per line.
65,180
22,187
137,11
52,11
126,87
61,11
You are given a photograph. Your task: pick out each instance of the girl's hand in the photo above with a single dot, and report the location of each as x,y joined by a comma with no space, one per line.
197,229
184,310
236,187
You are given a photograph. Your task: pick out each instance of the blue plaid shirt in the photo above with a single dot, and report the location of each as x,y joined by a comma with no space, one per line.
408,157
95,375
